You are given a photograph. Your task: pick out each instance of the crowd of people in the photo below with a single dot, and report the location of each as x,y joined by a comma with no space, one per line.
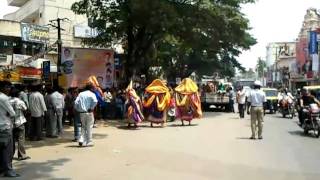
34,112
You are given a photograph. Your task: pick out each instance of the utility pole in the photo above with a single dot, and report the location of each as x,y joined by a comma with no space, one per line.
58,27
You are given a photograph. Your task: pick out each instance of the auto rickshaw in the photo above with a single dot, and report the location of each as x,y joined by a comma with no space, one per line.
272,100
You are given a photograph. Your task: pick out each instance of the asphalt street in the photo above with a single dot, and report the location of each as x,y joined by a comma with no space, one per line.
214,147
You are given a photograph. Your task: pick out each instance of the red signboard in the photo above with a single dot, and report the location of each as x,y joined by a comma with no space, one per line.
29,72
301,52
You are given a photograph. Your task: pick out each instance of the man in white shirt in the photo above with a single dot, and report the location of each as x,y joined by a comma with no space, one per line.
6,126
58,103
19,107
37,110
241,98
257,97
85,104
107,96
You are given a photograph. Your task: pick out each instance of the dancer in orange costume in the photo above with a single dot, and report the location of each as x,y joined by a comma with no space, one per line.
188,101
156,102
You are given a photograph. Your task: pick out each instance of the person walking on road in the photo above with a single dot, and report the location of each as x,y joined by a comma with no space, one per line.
19,107
85,104
241,99
37,110
6,127
256,98
57,100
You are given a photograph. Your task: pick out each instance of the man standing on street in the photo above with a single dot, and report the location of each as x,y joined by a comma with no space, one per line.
6,127
37,110
241,98
85,104
257,97
57,100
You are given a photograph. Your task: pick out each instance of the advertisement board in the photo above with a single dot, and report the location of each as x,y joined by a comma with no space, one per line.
302,54
84,32
46,69
30,73
34,33
5,60
78,64
12,76
19,58
313,43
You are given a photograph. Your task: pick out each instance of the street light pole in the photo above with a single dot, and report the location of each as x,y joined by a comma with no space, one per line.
58,27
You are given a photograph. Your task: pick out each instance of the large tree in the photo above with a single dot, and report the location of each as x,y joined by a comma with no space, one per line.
202,35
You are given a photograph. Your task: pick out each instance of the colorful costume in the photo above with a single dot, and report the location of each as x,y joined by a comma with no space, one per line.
156,102
134,106
188,101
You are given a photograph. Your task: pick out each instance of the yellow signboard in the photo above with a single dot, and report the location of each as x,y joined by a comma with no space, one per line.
12,76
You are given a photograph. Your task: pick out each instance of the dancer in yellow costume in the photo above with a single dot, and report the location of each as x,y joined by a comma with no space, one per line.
134,107
156,102
188,101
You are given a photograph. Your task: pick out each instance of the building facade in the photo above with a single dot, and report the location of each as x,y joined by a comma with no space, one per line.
280,56
307,61
41,12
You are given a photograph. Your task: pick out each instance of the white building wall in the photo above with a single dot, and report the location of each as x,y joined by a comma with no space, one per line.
42,11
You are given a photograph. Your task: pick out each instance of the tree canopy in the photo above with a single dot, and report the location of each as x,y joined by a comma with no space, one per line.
205,36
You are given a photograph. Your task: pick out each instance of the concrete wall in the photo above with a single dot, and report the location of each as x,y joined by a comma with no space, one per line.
54,9
10,28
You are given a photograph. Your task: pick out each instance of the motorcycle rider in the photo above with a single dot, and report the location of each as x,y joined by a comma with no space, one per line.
306,100
285,95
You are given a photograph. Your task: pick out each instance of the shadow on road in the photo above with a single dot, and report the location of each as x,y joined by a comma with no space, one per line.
40,170
244,138
302,134
179,125
131,128
67,138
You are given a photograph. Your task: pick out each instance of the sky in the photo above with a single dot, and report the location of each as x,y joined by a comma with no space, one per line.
273,21
270,20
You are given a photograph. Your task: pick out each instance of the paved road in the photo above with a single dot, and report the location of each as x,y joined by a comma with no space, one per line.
215,147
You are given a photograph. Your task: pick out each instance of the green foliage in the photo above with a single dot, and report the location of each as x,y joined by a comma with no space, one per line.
205,35
261,67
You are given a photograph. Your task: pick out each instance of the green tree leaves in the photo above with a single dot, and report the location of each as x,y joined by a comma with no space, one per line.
203,35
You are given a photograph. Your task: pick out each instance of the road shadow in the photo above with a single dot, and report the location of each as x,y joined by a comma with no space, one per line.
244,138
131,128
180,125
40,170
300,133
74,146
65,139
155,126
297,133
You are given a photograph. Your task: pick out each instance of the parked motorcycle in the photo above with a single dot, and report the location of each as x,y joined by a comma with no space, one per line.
311,121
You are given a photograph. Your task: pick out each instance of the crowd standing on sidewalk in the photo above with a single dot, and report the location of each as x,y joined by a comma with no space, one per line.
36,112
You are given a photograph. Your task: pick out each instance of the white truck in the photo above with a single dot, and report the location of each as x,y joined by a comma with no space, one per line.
212,96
